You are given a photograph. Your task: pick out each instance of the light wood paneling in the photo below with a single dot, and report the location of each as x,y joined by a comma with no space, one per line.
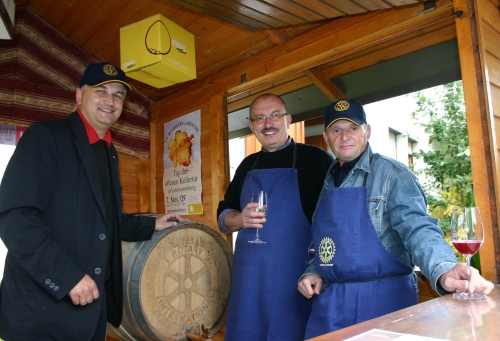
136,183
128,167
488,18
295,131
494,67
479,128
425,291
219,163
318,141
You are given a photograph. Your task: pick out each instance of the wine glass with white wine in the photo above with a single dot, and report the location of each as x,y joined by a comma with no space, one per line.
259,197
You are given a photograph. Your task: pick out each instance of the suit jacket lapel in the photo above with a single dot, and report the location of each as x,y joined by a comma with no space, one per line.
115,176
85,151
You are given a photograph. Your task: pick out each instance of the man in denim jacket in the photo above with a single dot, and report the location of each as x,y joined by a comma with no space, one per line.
370,228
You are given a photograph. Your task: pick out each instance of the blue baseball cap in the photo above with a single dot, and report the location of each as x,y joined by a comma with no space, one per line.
344,110
102,73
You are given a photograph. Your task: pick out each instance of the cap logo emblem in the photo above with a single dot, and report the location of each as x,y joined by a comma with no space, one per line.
342,105
110,70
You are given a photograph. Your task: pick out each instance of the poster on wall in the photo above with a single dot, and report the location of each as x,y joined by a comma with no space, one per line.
10,135
182,165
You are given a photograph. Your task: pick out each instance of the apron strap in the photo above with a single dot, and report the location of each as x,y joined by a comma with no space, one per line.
294,161
369,280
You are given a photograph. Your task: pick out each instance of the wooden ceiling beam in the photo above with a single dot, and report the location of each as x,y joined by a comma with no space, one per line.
326,86
279,90
386,52
237,97
383,27
277,36
314,122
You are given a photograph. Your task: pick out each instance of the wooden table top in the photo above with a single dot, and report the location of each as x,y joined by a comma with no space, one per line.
441,318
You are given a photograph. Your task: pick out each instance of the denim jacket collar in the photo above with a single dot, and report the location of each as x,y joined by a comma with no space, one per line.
363,164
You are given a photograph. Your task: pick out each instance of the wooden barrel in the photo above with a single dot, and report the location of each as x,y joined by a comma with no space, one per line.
174,283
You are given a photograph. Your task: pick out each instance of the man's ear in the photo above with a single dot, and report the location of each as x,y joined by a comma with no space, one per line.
78,96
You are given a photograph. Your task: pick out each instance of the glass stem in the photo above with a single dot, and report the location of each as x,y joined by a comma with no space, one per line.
257,234
467,259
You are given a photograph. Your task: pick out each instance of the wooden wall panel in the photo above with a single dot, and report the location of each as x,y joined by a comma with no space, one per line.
219,163
318,141
425,291
251,145
480,125
488,22
129,170
493,64
296,132
135,177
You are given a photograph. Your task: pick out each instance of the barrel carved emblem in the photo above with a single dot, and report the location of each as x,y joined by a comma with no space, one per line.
181,285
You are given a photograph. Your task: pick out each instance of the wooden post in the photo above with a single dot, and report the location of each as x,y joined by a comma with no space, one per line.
479,136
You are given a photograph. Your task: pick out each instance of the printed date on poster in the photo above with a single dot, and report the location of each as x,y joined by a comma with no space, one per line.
173,200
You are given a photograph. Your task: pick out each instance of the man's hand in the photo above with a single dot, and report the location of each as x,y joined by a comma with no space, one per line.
248,218
84,292
310,285
167,220
455,280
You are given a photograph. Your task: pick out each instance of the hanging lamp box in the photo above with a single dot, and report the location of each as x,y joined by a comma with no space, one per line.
157,52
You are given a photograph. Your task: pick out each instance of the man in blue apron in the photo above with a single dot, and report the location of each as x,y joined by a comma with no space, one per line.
264,303
369,229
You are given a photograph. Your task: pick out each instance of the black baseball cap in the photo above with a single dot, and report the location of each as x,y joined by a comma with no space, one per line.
102,73
344,110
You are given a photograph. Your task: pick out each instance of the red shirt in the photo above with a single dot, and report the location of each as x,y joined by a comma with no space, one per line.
91,133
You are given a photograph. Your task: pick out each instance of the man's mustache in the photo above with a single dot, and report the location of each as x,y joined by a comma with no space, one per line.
265,130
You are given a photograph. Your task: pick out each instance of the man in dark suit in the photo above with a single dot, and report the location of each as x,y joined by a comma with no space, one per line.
61,220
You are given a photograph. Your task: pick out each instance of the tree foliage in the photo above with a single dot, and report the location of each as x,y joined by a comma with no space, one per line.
448,171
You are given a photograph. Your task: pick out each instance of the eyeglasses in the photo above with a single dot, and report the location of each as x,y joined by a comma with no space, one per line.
273,118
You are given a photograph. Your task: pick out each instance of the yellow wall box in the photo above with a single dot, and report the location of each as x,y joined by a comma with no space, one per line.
157,52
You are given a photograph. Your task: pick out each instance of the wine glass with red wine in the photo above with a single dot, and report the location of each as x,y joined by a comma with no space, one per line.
467,236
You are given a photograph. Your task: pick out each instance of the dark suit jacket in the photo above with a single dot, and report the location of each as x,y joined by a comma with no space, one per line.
53,223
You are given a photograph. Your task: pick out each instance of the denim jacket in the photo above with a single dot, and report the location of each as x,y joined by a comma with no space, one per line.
398,210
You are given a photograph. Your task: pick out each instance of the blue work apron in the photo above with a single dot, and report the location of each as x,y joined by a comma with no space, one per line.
366,281
264,303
